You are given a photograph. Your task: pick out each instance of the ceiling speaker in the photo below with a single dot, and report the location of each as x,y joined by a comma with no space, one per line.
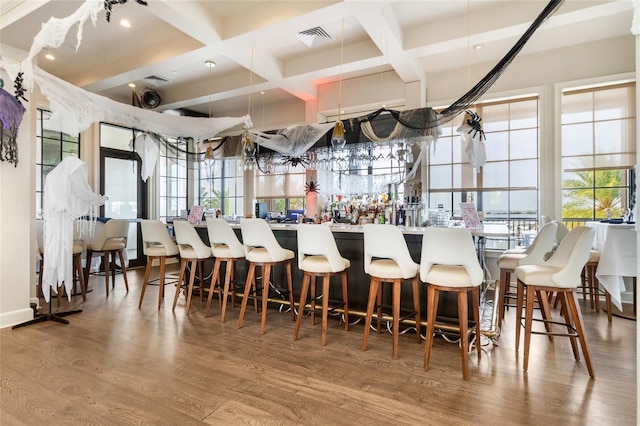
149,99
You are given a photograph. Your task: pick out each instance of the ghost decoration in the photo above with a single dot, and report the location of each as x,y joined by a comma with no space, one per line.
471,132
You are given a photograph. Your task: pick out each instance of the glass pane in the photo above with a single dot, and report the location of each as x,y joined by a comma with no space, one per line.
581,179
608,199
608,178
523,114
494,175
464,176
577,205
577,139
523,204
121,186
51,152
614,103
497,146
440,152
615,136
70,149
115,137
440,177
577,108
523,144
495,204
523,174
495,117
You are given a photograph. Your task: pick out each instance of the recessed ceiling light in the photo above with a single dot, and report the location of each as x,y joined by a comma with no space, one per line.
50,57
132,85
209,64
125,23
262,93
478,46
175,72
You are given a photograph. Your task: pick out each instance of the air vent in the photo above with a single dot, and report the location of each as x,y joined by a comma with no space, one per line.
313,36
156,80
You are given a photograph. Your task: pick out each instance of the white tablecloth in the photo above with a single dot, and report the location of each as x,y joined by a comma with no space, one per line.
618,257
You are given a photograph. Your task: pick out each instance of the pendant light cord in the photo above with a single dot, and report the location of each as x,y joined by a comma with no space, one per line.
341,61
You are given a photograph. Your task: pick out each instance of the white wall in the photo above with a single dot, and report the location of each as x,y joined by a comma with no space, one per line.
17,224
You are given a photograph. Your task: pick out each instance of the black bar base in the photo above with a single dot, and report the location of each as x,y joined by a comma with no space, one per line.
57,317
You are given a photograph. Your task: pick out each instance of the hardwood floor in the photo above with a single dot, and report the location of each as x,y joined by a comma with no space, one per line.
115,364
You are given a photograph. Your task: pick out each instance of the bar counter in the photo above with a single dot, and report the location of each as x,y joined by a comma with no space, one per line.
350,242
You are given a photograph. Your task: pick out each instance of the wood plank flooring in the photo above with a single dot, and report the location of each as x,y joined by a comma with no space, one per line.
117,365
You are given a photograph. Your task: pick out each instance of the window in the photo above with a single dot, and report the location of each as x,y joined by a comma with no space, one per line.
222,186
598,151
51,147
506,188
281,190
172,178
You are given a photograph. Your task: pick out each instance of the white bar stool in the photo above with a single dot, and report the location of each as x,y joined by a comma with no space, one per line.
387,260
228,249
157,244
193,251
262,250
449,263
318,256
561,274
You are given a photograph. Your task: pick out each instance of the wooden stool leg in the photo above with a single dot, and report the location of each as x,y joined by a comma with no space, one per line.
145,280
345,299
568,319
395,309
416,306
290,288
529,292
227,282
192,278
303,300
181,277
607,301
77,261
107,269
373,292
582,337
432,307
124,270
163,260
325,307
314,284
247,290
266,277
519,300
379,310
504,287
214,278
475,296
463,322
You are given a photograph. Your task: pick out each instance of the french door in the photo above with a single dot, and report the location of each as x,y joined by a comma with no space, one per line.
120,181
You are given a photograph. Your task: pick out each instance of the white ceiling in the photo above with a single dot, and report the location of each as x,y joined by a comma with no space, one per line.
255,47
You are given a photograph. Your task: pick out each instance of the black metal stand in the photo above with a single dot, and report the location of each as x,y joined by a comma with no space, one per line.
57,317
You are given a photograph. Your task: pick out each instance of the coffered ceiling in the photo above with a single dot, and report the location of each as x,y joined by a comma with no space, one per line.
256,47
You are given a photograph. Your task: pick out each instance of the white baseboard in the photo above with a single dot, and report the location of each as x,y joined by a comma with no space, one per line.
9,319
